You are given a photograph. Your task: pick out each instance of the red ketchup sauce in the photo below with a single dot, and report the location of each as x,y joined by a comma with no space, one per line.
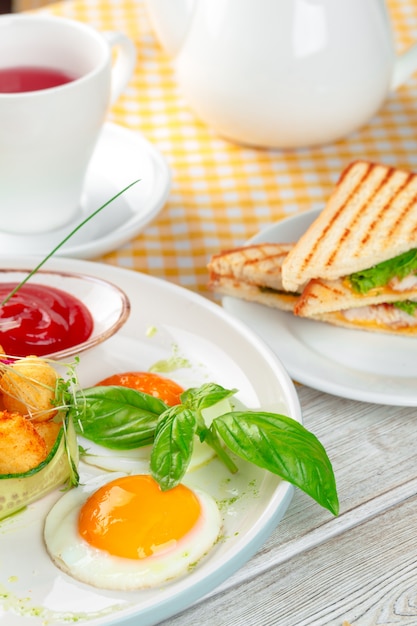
39,320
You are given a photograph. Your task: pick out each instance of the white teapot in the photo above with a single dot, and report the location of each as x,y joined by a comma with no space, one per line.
282,73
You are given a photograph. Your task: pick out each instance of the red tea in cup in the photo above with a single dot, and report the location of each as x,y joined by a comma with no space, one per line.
24,78
47,132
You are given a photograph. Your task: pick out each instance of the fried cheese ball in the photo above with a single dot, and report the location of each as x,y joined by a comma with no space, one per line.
21,446
48,431
28,387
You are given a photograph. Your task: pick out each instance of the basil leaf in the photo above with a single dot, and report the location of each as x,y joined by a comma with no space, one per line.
380,274
199,398
116,417
173,446
284,447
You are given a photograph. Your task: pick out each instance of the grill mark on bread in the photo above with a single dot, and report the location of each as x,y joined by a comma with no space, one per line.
412,204
254,264
321,296
240,258
335,217
385,182
263,252
377,189
366,174
370,216
310,296
394,196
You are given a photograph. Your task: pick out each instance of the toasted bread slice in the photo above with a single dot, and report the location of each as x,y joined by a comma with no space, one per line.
322,296
252,273
257,264
252,293
370,217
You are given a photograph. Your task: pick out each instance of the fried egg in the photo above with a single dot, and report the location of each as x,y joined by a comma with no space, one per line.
126,533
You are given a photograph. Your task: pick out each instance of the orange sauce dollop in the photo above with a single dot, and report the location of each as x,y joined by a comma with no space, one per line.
153,384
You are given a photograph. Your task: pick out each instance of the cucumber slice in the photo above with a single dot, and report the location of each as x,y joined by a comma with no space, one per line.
19,490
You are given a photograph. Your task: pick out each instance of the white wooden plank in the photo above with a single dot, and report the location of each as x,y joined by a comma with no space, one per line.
367,576
374,456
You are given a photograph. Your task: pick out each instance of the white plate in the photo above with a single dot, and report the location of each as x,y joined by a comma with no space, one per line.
165,321
120,157
360,365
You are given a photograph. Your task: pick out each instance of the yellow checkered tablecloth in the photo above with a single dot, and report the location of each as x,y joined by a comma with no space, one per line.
222,193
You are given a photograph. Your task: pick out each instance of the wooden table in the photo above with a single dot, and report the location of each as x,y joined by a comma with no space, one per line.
360,567
315,570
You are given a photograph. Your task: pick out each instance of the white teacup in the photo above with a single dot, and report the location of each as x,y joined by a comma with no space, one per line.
48,135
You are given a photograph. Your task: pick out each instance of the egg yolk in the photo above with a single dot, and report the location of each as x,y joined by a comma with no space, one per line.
133,518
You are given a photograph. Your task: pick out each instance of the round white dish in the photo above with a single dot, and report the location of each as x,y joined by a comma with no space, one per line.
360,365
176,326
121,157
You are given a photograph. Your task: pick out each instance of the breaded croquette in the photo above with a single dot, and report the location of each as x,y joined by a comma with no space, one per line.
48,431
21,446
28,387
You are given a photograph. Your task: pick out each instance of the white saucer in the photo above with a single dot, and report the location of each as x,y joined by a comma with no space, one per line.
121,157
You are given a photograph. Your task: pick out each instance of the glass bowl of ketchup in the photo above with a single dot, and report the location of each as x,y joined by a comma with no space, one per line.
58,314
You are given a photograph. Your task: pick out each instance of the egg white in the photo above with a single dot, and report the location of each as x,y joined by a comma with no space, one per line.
136,461
75,556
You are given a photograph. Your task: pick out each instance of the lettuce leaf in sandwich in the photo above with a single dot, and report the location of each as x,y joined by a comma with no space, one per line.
379,275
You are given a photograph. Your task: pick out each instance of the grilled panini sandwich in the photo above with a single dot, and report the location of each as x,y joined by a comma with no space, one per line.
253,273
359,257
